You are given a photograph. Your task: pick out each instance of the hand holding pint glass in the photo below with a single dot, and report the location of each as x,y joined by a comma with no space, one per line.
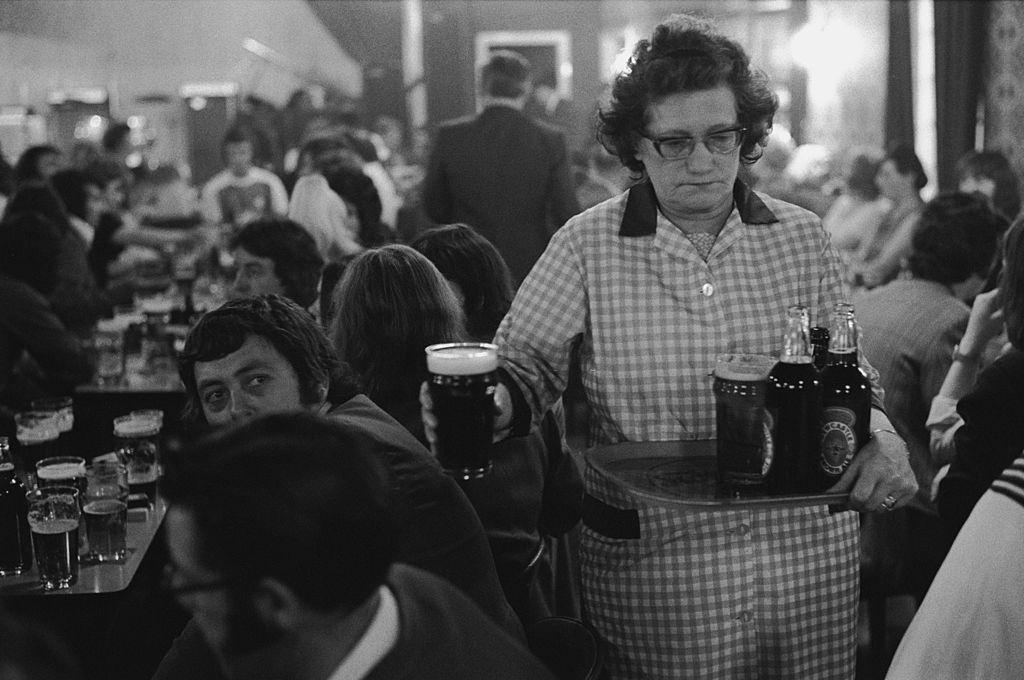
463,378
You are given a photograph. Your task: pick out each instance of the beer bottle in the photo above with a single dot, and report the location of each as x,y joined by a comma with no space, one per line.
819,347
794,400
15,539
846,400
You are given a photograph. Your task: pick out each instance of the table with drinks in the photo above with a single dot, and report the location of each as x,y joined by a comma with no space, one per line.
68,525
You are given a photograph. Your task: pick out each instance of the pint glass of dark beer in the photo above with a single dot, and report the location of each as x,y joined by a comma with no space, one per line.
53,516
38,434
139,445
744,425
463,377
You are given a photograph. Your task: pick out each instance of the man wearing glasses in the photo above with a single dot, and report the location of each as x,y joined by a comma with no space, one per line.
282,535
650,286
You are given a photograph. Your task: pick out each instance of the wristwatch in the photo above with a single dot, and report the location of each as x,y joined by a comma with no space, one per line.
957,355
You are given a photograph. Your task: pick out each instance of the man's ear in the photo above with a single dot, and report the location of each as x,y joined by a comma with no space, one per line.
277,606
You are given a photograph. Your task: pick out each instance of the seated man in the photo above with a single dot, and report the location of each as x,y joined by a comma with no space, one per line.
276,257
262,355
242,192
911,330
286,562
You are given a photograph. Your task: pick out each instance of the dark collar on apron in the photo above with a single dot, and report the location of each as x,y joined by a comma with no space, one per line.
641,215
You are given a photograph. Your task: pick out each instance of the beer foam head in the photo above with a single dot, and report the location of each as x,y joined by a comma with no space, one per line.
37,435
63,470
135,427
749,367
462,358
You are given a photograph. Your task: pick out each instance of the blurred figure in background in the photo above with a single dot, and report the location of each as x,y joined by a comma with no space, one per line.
855,216
500,172
990,174
39,356
911,328
276,257
241,192
990,405
900,179
36,165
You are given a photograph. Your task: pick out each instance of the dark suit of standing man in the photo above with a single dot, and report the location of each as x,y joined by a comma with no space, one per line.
501,172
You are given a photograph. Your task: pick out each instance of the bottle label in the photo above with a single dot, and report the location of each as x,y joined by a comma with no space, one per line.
767,430
838,439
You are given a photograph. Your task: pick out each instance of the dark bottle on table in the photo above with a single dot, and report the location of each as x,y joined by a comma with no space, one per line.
845,402
794,400
819,347
15,539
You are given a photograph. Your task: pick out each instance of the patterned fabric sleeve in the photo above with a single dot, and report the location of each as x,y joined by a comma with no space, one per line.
549,312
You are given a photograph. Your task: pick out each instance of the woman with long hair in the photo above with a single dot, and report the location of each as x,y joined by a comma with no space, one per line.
533,498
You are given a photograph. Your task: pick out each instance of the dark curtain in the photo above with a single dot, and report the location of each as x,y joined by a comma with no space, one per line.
899,90
959,63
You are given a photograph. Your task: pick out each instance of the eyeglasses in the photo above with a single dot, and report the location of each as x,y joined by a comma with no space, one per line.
718,142
173,582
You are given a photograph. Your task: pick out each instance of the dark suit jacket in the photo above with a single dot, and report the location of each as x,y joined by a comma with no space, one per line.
505,175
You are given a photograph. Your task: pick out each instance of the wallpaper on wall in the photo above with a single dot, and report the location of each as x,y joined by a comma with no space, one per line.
1004,95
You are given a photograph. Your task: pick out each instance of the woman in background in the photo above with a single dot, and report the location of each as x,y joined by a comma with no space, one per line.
535,468
856,215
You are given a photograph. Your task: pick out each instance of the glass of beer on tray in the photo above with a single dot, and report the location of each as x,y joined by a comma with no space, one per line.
743,423
53,517
463,377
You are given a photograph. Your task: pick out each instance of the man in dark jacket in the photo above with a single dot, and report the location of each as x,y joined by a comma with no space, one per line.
282,533
501,172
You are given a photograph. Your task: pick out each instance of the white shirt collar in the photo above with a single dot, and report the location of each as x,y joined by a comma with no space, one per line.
378,640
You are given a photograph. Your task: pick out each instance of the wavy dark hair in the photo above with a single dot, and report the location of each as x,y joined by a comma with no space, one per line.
470,261
685,54
906,161
297,262
290,329
994,166
955,237
1012,285
392,302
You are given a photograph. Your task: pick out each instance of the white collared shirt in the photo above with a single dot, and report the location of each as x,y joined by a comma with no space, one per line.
376,642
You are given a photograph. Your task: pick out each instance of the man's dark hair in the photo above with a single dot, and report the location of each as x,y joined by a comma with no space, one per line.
72,188
236,135
506,74
470,261
907,163
994,166
297,262
685,54
26,168
1011,287
29,247
295,497
861,180
290,329
116,135
955,237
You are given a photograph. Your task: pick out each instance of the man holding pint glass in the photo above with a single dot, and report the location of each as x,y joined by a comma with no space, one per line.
650,286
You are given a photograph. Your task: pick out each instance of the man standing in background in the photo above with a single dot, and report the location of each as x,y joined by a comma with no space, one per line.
502,173
242,192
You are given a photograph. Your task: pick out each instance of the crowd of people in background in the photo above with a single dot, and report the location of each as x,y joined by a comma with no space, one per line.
343,247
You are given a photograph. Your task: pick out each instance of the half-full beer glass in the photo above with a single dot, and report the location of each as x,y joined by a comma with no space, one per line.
105,510
463,377
744,425
139,446
53,517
